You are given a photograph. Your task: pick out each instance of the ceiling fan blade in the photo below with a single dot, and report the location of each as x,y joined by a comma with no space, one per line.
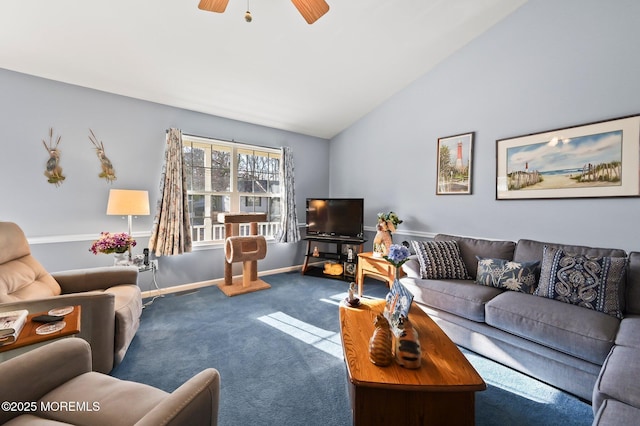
311,10
213,5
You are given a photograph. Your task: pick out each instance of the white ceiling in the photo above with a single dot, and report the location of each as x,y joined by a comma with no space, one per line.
276,71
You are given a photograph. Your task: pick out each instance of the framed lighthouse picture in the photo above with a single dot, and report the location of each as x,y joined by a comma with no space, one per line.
454,164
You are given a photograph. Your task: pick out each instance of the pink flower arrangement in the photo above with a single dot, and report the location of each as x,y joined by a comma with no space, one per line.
112,243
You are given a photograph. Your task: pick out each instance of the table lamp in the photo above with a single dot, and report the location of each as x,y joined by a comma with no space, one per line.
127,202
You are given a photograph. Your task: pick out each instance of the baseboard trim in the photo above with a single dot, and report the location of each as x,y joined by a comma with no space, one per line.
189,287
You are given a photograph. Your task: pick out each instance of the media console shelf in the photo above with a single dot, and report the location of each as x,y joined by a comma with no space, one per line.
337,255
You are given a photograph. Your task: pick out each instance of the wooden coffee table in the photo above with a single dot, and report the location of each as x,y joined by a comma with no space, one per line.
440,392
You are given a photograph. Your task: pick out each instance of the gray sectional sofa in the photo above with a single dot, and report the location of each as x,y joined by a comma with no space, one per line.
591,353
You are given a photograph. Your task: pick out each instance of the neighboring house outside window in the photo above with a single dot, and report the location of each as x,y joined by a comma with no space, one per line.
230,177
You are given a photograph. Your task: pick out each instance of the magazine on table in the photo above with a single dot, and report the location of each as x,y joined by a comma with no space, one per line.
11,324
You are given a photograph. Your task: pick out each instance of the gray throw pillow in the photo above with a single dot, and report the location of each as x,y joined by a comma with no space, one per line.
508,274
440,260
588,281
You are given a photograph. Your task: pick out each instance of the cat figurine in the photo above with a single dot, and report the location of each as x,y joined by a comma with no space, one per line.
381,343
407,346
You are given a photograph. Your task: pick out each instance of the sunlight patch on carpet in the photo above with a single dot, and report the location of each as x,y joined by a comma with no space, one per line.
325,340
335,299
513,381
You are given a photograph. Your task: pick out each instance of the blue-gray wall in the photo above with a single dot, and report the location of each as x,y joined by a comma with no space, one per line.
551,64
548,65
61,221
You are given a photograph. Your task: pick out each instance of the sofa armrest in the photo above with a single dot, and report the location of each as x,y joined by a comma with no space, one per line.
101,278
412,267
194,403
97,322
28,377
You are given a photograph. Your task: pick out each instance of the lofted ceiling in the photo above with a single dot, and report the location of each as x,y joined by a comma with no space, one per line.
276,71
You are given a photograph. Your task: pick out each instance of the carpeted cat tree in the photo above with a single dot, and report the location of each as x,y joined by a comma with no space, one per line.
246,249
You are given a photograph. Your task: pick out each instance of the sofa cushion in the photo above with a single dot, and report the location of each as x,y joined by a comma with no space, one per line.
26,279
460,297
472,247
583,333
112,401
530,250
591,282
507,274
440,260
128,309
22,277
629,332
13,242
615,413
618,378
632,297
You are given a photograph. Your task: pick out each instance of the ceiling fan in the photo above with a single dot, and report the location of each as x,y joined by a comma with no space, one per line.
311,10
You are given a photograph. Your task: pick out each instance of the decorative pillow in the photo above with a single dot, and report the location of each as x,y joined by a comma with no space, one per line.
440,260
591,282
507,274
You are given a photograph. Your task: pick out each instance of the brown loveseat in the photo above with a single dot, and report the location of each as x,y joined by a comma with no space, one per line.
109,296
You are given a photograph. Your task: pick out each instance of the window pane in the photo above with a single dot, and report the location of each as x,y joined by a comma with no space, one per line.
194,166
220,169
196,209
274,210
209,168
258,171
219,204
197,178
250,204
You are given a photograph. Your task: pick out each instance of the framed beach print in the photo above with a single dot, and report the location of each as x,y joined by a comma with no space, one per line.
454,164
599,159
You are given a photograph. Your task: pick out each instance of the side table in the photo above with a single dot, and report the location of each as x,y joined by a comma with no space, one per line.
153,267
29,339
376,267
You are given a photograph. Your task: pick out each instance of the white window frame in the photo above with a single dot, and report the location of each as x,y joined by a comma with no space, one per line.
201,233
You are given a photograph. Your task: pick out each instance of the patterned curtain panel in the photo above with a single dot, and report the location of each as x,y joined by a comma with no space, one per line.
288,232
171,233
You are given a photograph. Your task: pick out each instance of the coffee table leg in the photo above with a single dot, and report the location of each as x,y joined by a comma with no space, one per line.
360,282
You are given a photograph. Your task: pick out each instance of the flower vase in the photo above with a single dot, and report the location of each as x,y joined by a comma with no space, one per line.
121,259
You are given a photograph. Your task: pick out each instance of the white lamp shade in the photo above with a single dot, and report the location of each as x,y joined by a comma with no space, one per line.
128,202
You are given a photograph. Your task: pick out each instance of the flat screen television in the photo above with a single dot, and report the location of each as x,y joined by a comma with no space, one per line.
335,217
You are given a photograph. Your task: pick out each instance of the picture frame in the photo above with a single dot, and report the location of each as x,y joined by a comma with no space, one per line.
454,160
600,159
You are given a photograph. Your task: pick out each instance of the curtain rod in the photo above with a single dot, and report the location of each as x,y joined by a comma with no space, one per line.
227,140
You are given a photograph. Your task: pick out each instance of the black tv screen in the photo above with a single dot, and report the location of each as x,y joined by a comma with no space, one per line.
339,217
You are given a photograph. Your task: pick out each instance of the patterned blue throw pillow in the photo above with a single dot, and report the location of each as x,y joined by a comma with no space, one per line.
591,282
507,274
440,260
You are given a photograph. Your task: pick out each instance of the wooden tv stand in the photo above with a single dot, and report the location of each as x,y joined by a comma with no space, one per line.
336,255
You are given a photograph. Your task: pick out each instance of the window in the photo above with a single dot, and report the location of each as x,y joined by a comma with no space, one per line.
230,177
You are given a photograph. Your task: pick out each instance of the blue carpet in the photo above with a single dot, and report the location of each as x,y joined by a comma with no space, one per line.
279,356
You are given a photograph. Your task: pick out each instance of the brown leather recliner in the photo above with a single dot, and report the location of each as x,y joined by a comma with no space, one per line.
109,296
54,384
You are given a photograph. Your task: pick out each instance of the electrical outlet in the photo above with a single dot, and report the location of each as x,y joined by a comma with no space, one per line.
154,263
